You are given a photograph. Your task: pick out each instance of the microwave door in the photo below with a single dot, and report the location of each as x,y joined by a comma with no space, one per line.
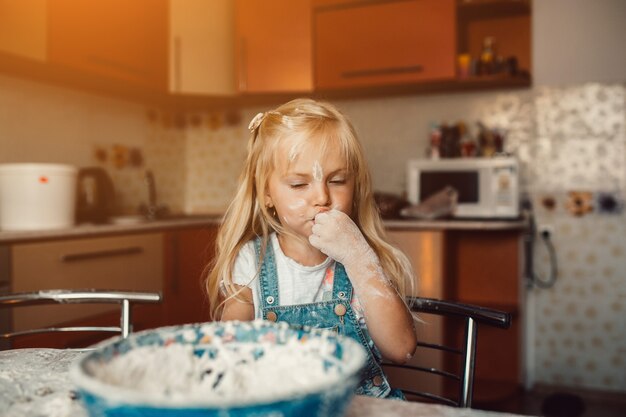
466,182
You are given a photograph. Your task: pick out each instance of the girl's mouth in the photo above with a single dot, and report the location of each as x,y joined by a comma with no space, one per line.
321,210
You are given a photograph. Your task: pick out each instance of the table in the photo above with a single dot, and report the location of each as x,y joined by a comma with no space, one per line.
35,382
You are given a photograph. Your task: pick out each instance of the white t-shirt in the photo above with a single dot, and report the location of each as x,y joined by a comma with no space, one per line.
297,284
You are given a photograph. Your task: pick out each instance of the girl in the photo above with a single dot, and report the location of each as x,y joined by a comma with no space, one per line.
303,242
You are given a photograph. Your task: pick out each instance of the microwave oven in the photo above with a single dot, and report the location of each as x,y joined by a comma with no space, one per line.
487,187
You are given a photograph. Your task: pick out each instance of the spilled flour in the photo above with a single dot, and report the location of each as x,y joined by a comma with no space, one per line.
246,372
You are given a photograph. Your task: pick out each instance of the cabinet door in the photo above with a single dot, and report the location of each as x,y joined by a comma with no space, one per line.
425,252
23,28
187,253
115,39
273,46
485,269
119,263
202,36
373,43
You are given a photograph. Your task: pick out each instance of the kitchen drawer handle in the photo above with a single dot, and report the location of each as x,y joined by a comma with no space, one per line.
382,71
84,256
177,64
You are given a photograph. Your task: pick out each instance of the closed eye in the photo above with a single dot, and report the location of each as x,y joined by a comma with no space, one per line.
338,181
298,185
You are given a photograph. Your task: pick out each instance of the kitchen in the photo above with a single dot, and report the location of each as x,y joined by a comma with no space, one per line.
567,130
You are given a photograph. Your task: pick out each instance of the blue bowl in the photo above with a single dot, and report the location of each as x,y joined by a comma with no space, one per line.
329,397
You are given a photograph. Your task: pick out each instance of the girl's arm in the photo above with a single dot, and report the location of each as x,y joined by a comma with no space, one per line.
388,319
235,309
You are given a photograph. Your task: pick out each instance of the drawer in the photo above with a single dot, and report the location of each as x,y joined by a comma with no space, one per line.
133,262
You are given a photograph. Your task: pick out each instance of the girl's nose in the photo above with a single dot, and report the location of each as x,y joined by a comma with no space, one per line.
321,195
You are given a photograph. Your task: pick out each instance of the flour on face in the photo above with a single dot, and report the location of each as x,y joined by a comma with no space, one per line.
318,172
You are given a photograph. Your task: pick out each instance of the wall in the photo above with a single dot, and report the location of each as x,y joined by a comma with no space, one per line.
577,41
42,123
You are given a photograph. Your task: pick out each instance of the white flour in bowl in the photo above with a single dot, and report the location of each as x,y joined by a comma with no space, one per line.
234,373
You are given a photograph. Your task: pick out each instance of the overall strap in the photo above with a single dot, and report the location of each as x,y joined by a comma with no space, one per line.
342,288
268,278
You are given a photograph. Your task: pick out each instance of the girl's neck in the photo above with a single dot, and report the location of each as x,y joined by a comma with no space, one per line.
300,251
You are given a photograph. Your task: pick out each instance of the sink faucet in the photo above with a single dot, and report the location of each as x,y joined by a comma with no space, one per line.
152,210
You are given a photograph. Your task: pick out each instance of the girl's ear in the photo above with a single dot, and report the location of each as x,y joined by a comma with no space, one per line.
268,200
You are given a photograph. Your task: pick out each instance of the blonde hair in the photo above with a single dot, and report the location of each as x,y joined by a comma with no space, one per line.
248,217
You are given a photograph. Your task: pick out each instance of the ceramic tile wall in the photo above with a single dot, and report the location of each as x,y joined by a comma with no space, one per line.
214,161
579,335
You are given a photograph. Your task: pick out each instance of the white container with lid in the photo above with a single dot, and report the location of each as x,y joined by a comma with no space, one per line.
35,196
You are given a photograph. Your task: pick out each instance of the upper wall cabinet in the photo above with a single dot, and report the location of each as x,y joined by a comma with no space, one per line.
273,46
115,39
373,43
201,53
23,28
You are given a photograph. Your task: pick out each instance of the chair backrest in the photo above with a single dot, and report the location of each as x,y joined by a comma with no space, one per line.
471,315
124,298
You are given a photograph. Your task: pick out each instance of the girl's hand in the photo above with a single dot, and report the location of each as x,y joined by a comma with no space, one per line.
337,236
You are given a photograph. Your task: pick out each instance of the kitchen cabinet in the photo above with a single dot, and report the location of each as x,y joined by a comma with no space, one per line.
273,46
201,51
115,39
23,28
187,254
130,262
373,43
474,267
485,269
425,251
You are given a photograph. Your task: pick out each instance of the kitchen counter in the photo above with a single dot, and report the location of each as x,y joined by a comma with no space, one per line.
183,221
443,225
95,230
35,382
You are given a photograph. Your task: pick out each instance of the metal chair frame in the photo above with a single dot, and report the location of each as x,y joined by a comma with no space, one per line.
125,298
473,315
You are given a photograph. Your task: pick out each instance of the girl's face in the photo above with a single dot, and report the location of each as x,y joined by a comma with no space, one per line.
307,181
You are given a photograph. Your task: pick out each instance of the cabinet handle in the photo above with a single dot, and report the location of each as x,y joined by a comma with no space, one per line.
243,71
174,265
117,66
382,71
351,5
84,256
177,60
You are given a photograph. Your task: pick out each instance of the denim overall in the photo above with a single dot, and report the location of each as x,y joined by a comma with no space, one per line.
335,314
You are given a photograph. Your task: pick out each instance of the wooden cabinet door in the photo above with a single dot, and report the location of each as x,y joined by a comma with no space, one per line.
115,39
187,253
484,268
130,262
201,54
273,46
373,43
23,28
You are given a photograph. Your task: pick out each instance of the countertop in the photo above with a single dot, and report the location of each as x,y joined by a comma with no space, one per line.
185,221
35,382
87,230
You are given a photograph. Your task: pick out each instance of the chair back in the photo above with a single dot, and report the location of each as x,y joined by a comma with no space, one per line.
471,316
125,299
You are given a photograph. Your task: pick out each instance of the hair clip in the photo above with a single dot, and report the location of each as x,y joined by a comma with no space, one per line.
256,121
